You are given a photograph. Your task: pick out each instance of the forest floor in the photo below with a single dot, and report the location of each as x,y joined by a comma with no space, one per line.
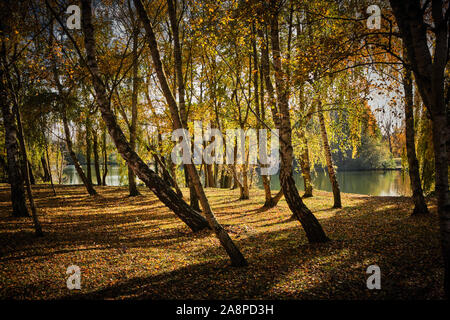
135,248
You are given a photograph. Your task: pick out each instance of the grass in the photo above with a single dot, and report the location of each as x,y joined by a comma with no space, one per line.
135,248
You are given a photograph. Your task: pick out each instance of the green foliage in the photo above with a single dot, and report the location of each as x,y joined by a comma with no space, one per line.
374,154
425,152
370,152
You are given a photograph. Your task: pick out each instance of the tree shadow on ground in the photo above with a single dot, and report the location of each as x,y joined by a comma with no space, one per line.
282,265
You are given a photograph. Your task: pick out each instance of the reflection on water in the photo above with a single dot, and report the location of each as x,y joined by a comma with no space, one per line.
113,178
376,183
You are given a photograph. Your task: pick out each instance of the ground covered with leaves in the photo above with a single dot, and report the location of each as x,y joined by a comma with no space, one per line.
135,248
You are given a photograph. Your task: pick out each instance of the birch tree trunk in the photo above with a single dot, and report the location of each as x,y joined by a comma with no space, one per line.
237,259
90,189
88,150
178,65
243,187
193,197
305,165
105,158
46,176
96,159
420,206
134,113
49,165
258,77
168,176
429,76
164,193
30,173
36,222
311,225
327,150
15,177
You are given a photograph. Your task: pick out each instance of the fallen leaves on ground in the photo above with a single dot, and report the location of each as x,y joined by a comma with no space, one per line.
136,248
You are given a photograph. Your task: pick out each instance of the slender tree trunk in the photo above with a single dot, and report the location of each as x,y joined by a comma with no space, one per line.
178,65
258,78
49,166
304,152
327,150
96,159
37,224
270,201
193,197
305,165
90,189
236,182
311,225
173,175
58,165
429,77
134,114
169,177
252,169
265,179
156,165
15,177
61,163
205,174
447,103
244,191
221,178
30,173
192,218
440,125
210,175
225,179
156,154
420,206
237,259
105,158
4,169
46,176
215,174
88,150
160,163
389,140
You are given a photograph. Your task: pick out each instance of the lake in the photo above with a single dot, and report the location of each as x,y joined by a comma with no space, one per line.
376,183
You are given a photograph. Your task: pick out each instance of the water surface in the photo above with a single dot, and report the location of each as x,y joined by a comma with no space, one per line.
376,183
